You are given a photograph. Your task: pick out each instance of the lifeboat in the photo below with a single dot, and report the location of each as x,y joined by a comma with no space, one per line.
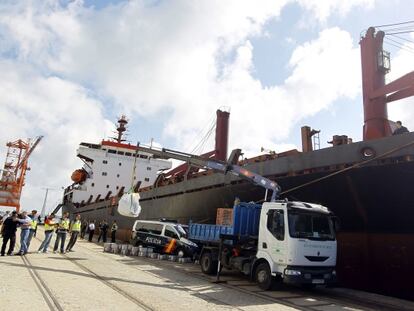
79,176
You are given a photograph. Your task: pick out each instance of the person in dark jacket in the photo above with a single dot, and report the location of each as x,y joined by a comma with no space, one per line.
103,228
84,228
9,233
400,129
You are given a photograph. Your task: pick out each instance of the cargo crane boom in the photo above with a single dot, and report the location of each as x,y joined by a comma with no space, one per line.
28,153
217,165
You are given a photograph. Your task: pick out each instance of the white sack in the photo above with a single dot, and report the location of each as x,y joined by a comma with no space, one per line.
129,206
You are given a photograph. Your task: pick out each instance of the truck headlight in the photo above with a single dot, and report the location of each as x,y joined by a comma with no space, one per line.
292,272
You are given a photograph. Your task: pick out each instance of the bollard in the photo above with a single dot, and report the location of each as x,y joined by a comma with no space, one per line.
162,257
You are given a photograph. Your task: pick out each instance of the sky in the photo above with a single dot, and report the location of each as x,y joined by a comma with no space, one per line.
68,69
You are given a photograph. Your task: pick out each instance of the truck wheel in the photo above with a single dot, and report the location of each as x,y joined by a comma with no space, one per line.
208,265
263,276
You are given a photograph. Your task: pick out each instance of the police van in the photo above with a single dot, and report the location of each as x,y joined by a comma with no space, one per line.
165,237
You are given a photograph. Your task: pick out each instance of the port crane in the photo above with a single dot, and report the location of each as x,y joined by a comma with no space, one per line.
220,166
14,171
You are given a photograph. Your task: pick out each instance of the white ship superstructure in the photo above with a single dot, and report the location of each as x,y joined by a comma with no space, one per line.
108,170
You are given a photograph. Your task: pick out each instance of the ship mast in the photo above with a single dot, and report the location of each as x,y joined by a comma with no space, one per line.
122,122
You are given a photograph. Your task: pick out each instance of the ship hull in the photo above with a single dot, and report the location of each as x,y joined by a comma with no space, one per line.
372,201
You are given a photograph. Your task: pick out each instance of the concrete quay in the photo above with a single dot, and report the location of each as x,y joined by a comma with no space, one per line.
89,279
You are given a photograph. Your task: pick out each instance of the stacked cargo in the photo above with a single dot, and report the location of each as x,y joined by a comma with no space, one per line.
224,216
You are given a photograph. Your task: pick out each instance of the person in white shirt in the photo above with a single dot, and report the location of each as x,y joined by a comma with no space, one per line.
91,230
25,224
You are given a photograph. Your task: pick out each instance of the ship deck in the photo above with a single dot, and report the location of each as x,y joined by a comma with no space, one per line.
89,279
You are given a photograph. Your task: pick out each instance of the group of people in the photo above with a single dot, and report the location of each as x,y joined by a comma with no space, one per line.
28,226
10,223
62,229
90,228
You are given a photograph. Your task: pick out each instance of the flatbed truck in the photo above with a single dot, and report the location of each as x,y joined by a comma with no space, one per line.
277,241
281,241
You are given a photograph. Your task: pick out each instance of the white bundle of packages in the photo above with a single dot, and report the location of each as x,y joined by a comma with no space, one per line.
128,205
107,247
134,251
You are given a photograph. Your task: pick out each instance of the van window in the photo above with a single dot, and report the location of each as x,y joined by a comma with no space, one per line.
140,227
276,224
181,230
149,228
170,233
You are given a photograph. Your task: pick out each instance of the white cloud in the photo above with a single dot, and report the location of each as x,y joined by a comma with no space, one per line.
181,57
31,105
322,9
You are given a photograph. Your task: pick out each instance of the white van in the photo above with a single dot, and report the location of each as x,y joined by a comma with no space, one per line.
164,237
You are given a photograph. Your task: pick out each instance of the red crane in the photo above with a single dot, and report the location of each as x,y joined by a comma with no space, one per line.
14,171
376,94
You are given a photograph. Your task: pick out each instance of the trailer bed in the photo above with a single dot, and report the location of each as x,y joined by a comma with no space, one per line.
245,224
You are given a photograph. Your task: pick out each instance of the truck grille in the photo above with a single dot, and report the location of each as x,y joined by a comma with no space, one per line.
316,258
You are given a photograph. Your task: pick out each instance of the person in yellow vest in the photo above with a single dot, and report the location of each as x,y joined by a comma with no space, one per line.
61,232
74,232
33,226
49,227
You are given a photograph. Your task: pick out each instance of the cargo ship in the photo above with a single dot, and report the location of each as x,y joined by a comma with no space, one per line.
366,184
110,169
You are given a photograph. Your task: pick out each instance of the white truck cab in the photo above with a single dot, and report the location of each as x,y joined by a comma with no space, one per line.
296,244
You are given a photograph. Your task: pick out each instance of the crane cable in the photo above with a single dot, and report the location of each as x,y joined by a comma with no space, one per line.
203,141
133,169
395,24
344,170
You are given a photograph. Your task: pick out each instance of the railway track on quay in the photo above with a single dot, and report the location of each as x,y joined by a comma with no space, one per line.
53,302
85,265
316,298
117,289
50,299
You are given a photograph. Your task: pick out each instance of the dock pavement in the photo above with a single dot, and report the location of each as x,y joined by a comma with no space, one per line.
89,279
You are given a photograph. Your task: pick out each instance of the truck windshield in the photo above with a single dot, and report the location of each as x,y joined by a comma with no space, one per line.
312,226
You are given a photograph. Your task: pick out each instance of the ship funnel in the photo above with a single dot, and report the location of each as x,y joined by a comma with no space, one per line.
222,135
